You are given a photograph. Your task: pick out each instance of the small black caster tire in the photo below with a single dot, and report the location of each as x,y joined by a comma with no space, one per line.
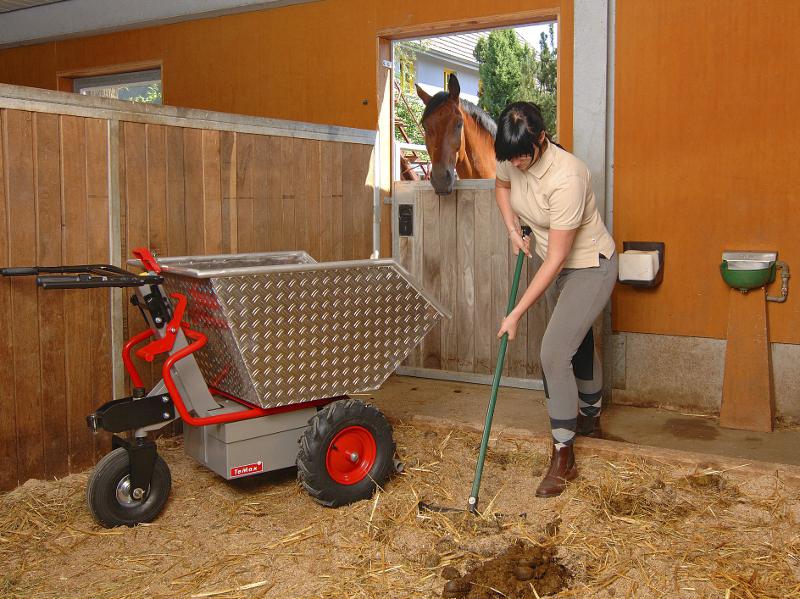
109,495
345,453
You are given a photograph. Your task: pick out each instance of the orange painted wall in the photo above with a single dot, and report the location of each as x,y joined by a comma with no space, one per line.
312,62
706,138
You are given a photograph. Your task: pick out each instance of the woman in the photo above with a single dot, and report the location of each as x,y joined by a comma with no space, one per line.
547,188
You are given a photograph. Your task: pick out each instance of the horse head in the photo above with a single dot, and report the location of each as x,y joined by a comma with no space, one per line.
443,122
459,137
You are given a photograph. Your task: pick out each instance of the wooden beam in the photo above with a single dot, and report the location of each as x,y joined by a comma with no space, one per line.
747,400
526,17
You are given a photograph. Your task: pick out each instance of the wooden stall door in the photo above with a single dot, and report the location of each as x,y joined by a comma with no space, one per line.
459,252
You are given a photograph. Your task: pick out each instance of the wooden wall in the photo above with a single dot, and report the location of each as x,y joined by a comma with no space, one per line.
460,254
55,361
181,190
705,154
193,191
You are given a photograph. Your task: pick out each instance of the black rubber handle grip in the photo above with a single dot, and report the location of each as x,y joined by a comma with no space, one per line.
526,231
19,271
93,282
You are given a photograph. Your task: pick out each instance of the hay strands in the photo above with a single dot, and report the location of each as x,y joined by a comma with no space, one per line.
244,587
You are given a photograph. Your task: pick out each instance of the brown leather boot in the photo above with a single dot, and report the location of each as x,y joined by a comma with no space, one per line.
589,426
562,469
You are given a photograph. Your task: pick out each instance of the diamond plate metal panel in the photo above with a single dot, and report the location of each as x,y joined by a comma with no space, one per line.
219,361
278,338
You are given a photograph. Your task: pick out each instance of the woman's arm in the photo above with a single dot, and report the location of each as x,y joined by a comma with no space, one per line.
559,245
502,194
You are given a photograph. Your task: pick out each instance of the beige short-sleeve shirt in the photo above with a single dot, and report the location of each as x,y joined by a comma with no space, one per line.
556,193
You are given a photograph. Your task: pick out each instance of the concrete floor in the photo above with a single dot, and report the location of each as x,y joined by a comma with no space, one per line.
463,404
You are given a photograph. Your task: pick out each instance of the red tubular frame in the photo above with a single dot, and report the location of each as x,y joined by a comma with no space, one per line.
166,343
126,355
280,409
198,340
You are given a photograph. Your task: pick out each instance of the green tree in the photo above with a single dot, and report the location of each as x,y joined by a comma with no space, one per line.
151,95
540,80
408,107
502,59
408,111
511,71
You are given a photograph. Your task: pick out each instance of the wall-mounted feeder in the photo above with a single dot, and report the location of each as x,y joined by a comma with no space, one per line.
641,263
748,270
747,398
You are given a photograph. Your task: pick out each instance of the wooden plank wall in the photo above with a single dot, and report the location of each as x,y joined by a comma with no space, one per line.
192,191
460,253
182,191
55,361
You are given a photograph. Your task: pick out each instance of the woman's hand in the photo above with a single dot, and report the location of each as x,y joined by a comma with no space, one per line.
509,325
518,242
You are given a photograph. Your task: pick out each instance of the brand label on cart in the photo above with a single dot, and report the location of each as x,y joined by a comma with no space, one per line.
247,469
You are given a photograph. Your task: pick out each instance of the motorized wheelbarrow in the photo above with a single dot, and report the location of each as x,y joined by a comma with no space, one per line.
262,352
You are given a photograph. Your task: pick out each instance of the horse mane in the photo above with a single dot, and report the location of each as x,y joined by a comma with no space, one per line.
481,116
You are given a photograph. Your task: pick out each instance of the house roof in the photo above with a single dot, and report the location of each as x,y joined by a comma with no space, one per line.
459,46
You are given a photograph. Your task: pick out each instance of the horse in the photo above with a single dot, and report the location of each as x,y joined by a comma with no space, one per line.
459,137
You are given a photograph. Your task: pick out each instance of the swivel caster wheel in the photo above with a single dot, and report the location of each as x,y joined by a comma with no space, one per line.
111,500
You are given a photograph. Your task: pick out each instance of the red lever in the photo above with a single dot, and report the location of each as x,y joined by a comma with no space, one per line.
148,260
166,343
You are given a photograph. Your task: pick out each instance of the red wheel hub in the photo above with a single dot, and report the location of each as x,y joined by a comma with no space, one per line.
351,455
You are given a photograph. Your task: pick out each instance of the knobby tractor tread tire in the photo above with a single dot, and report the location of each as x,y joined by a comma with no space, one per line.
101,493
312,471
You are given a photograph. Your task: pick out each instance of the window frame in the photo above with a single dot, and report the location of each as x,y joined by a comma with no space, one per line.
446,74
117,79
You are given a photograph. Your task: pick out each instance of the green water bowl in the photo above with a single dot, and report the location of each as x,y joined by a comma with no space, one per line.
745,280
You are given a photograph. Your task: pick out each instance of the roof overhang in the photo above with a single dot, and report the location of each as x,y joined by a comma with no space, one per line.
77,18
472,66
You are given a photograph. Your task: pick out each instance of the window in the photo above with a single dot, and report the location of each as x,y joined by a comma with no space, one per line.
137,86
447,73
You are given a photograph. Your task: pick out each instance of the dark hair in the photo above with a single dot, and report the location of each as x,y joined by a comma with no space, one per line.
518,130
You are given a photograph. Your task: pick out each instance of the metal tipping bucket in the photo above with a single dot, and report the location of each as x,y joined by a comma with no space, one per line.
283,329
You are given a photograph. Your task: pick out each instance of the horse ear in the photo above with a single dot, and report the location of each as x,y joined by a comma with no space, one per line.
453,86
423,95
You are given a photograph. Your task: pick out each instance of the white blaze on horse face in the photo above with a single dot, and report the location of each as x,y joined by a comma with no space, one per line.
444,140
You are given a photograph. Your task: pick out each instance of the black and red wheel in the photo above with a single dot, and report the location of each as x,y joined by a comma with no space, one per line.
345,453
111,500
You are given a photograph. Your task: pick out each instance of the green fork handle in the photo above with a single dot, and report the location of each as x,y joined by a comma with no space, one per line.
472,506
